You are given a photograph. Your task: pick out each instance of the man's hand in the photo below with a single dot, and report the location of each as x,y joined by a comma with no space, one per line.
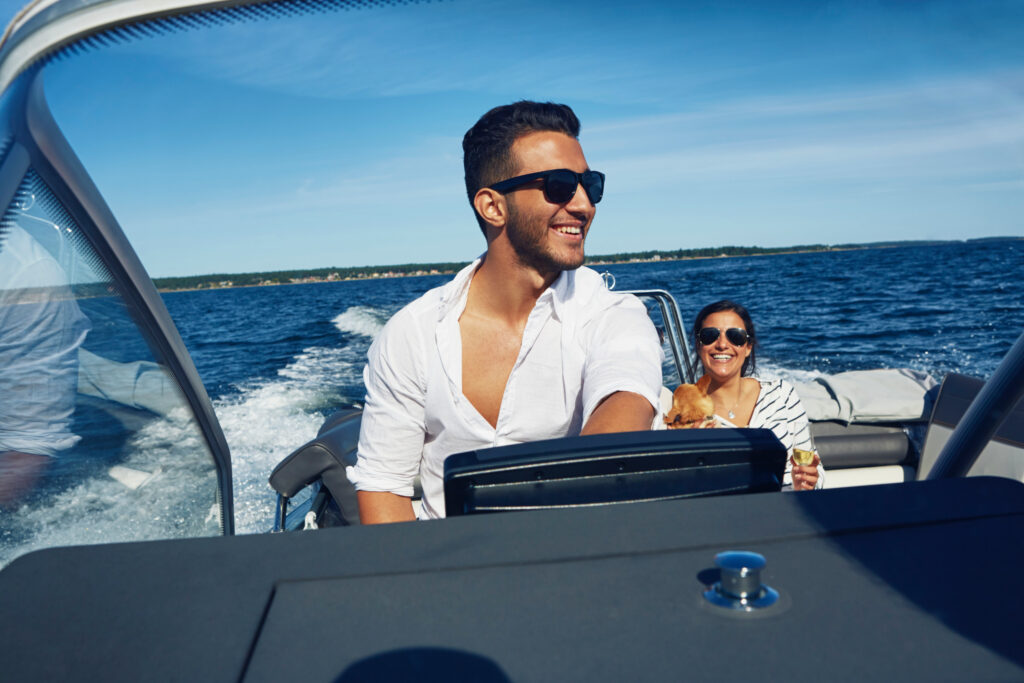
19,473
622,411
381,507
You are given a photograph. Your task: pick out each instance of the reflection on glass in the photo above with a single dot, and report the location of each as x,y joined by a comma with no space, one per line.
96,442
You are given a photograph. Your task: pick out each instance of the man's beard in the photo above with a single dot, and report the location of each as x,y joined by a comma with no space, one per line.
528,244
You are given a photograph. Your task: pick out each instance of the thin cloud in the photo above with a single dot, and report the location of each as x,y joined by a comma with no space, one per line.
958,127
999,90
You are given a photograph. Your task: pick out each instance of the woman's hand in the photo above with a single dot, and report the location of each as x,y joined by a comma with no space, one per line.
805,477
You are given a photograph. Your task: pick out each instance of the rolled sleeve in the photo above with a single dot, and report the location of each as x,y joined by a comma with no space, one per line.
623,355
392,432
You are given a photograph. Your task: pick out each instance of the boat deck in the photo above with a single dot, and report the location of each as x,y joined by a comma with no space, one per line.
894,582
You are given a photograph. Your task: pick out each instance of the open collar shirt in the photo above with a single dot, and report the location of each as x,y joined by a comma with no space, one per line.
581,343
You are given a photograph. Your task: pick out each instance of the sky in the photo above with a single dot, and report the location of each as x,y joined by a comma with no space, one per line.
335,139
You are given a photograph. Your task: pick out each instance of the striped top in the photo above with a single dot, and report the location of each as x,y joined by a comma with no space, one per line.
778,408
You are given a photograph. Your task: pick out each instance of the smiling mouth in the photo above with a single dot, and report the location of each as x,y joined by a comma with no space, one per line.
568,230
720,356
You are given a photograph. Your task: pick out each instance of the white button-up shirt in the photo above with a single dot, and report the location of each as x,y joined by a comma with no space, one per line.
581,344
41,330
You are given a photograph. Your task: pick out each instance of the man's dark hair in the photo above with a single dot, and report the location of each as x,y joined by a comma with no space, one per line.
487,146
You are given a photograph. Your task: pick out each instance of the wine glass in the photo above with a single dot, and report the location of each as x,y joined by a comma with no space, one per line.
802,457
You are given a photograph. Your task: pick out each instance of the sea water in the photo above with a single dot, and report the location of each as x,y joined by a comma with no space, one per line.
277,360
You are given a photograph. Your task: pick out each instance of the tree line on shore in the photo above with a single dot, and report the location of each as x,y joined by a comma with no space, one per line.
217,280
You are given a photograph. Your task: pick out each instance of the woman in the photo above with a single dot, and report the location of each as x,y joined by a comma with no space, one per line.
726,347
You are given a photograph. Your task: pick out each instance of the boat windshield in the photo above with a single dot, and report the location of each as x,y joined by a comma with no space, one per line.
95,435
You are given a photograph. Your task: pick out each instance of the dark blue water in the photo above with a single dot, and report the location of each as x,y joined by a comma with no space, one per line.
954,307
238,336
276,360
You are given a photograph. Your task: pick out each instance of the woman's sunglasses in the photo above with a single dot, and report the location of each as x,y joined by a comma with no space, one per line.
559,184
735,335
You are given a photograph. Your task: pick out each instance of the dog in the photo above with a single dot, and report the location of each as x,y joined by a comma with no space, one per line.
691,406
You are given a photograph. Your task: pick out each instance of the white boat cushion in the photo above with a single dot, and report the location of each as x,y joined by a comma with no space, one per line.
868,396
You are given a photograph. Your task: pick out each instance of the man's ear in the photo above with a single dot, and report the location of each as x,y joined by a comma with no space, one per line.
491,206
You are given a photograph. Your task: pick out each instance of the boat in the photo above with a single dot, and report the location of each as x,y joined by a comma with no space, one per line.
584,568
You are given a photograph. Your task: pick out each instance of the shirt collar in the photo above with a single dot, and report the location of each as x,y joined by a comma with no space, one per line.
561,292
455,292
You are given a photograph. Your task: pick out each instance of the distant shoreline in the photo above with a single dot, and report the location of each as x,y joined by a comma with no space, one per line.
316,275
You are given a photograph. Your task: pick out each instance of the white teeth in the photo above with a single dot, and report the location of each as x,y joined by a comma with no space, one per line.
568,231
721,357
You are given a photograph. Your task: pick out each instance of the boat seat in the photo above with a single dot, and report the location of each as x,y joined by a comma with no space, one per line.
844,446
325,458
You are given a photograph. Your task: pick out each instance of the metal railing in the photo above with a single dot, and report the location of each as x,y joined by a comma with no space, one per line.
675,332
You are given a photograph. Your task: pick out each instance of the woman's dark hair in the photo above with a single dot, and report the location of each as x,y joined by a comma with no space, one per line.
487,146
750,364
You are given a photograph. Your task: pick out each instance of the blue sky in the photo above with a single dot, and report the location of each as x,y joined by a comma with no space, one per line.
335,139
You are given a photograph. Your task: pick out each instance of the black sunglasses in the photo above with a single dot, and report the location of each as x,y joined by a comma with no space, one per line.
559,184
735,335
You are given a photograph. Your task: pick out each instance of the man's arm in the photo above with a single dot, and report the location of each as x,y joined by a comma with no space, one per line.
19,473
622,374
622,411
392,429
381,507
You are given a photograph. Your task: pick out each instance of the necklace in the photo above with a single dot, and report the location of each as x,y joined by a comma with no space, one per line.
732,411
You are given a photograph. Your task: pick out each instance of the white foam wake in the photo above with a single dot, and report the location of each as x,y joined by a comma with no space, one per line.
266,421
769,371
173,499
361,320
263,423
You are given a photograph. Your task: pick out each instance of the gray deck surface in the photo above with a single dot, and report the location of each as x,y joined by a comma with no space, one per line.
891,582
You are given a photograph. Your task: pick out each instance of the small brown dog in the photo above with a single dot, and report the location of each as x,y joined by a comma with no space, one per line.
691,406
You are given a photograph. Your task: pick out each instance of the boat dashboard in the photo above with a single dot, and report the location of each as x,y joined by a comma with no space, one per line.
899,582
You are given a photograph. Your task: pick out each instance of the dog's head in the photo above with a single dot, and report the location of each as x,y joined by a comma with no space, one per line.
691,405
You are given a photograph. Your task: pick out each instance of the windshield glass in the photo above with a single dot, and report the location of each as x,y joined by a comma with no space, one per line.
302,150
97,443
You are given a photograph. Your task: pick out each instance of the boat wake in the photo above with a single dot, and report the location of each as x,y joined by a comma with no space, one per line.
268,419
164,477
151,493
361,320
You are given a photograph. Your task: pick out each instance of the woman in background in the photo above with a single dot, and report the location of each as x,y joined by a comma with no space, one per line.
726,344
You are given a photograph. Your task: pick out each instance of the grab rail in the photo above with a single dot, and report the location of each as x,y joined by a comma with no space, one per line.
674,330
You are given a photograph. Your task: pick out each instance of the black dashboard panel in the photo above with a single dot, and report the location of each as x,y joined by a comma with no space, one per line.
625,467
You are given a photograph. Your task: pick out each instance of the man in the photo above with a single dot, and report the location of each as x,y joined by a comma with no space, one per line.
523,344
41,330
